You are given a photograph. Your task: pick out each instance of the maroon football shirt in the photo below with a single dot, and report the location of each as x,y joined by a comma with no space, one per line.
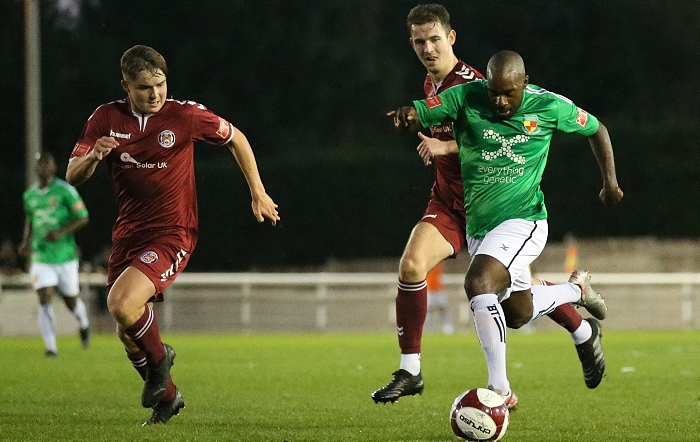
448,178
152,170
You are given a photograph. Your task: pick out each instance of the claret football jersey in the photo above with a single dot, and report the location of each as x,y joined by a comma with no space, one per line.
448,182
152,170
502,160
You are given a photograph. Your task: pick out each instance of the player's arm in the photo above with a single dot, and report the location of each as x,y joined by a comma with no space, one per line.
262,204
432,147
73,226
603,151
81,168
25,247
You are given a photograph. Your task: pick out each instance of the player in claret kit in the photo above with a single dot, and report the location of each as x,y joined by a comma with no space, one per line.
441,233
147,142
503,127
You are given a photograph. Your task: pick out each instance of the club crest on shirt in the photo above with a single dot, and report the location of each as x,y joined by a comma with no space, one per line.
531,123
149,257
166,138
582,117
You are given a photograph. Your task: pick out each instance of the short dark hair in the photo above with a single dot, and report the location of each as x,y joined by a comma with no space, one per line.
430,13
139,58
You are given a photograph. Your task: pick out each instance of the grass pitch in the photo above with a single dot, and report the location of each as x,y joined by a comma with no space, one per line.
292,387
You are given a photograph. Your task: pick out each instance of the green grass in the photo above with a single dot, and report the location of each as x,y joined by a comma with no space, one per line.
292,387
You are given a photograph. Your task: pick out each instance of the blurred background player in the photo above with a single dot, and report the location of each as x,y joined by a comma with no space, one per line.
54,211
147,143
438,302
441,233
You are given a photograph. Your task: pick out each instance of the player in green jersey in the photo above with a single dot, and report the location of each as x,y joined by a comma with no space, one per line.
503,127
54,211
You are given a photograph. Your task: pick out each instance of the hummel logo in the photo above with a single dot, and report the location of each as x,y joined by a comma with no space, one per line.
429,216
400,330
118,135
504,247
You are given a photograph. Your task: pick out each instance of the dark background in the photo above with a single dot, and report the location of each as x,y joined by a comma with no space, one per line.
309,83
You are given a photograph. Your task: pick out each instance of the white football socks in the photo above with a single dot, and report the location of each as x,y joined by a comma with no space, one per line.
80,313
583,333
491,329
47,326
411,363
546,298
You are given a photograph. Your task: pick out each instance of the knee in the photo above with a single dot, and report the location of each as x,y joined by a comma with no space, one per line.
412,269
118,306
516,320
477,284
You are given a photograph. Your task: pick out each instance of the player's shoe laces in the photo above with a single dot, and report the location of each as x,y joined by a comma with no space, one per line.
590,300
590,353
85,337
163,411
157,379
402,384
510,399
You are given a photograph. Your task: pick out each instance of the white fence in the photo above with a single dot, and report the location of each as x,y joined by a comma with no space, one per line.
336,302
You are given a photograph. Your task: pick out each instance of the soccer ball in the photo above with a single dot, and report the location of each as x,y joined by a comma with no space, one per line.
479,414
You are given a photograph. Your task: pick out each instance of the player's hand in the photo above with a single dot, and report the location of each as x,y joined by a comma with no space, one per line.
103,147
611,194
432,147
264,207
53,235
405,118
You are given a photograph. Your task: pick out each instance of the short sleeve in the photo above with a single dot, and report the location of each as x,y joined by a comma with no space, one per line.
435,110
92,131
209,127
572,118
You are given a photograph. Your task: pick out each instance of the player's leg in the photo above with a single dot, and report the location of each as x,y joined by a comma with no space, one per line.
486,278
500,266
47,320
586,335
69,289
128,304
44,281
426,248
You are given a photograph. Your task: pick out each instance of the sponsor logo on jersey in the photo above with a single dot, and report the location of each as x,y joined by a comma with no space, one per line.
166,138
119,135
531,123
582,117
506,148
224,129
433,102
149,257
126,158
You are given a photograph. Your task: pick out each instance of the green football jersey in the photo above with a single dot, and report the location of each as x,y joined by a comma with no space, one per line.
52,208
502,160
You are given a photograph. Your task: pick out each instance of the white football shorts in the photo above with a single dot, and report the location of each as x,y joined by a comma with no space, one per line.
516,243
63,276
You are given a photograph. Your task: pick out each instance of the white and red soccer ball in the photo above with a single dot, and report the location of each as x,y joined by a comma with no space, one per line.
479,414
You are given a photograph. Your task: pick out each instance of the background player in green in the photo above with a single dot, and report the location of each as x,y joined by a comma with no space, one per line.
503,127
54,211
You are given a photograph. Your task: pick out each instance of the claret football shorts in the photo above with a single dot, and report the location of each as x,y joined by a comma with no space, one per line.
161,260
